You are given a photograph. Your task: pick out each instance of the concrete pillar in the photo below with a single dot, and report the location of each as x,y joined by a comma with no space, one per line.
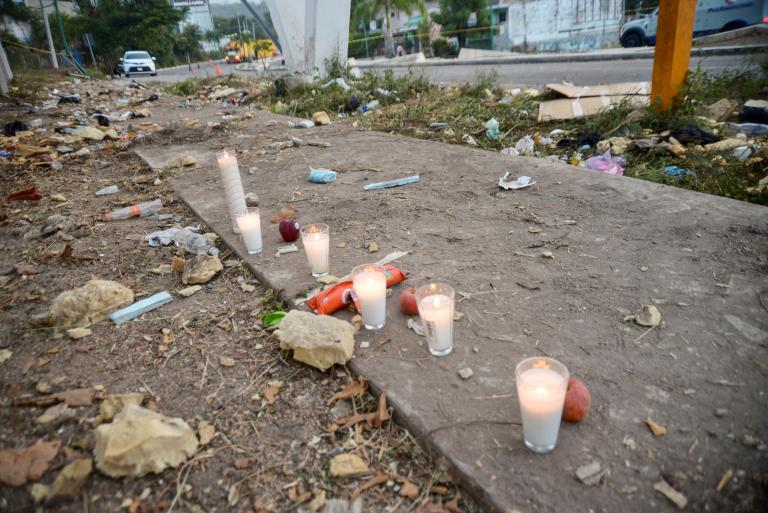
311,32
5,71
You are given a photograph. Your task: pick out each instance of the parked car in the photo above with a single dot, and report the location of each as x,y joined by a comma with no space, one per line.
711,16
134,62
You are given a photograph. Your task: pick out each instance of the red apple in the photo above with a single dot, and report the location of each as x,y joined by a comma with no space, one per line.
289,230
408,302
577,401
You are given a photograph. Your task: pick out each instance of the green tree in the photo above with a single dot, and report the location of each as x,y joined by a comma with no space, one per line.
188,42
373,7
454,15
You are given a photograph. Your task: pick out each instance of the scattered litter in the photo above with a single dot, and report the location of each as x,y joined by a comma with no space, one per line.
416,326
656,429
437,126
605,163
321,175
643,144
755,111
141,307
468,139
691,134
492,129
748,128
291,248
89,304
649,317
339,82
677,498
371,105
140,441
18,466
518,183
589,100
192,242
525,146
141,210
304,123
679,172
512,152
466,373
391,183
591,473
742,153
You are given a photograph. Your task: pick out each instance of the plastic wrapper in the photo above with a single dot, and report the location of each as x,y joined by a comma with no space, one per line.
605,163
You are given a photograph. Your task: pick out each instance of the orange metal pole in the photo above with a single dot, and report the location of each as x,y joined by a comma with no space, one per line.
673,49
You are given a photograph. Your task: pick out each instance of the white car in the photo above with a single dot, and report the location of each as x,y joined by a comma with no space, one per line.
134,62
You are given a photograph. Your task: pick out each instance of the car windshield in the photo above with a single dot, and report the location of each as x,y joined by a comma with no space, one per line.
136,55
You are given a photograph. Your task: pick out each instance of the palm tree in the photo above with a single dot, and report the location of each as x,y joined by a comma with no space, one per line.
374,7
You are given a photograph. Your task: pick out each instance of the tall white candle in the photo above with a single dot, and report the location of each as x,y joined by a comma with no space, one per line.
370,285
435,302
316,241
250,228
541,387
233,187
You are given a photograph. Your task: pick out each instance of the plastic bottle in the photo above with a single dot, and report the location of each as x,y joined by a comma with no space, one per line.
194,243
141,210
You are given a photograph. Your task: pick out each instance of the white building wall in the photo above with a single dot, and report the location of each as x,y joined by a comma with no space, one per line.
563,25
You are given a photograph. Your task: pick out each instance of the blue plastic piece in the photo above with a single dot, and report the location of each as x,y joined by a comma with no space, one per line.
140,307
391,183
5,153
321,175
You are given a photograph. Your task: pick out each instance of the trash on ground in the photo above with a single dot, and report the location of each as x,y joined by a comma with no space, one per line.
140,441
89,304
304,123
321,175
391,183
510,151
677,498
679,172
518,183
317,340
201,269
525,146
617,145
416,326
291,248
468,139
28,194
371,105
19,466
692,134
649,317
492,129
140,307
605,163
339,295
192,242
742,153
141,210
437,126
589,100
339,82
748,128
755,111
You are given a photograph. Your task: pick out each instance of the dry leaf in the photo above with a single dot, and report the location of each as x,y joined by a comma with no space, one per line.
17,466
348,464
206,431
318,502
355,389
227,361
409,490
453,504
656,429
75,397
241,463
271,391
438,490
177,264
283,214
382,415
374,481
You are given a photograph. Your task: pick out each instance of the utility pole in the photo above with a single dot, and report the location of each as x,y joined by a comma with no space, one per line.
51,48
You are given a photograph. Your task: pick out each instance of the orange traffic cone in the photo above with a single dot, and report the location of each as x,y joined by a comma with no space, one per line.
218,70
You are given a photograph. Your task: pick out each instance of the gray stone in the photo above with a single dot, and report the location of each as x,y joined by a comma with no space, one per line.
722,109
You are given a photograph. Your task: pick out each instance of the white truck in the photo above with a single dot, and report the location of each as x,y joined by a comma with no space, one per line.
711,16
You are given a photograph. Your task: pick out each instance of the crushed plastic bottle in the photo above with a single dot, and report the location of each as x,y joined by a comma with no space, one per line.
194,243
141,210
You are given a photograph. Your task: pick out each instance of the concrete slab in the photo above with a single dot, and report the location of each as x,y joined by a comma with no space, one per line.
618,243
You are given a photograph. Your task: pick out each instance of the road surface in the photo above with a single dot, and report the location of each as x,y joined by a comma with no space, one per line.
518,75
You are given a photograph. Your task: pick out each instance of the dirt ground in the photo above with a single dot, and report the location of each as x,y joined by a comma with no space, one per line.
269,453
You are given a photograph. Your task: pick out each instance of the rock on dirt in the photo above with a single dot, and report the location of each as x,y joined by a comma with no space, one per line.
725,145
201,269
78,333
722,109
115,403
71,479
321,118
591,473
56,415
91,303
140,441
348,465
317,340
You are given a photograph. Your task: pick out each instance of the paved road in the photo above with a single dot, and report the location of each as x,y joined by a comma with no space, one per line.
520,75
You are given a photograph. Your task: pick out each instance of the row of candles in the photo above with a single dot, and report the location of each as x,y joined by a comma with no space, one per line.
541,382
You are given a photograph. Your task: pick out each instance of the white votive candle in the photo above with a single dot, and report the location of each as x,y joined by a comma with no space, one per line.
435,303
370,284
233,187
250,229
316,241
541,386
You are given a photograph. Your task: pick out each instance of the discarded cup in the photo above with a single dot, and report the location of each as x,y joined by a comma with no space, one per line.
541,387
436,303
316,239
250,229
370,286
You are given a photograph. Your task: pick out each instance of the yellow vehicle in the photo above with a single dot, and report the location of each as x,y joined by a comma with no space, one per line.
237,51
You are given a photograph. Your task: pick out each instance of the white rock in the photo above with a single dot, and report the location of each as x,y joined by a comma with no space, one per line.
317,340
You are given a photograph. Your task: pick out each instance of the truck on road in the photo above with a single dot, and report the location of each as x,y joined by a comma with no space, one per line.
711,16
